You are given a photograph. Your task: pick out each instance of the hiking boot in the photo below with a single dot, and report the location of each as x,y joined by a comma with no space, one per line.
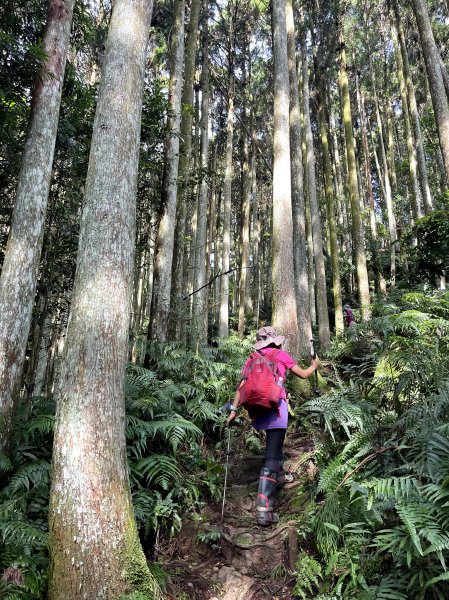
265,498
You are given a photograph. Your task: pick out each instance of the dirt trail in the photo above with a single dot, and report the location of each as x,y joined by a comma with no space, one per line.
246,562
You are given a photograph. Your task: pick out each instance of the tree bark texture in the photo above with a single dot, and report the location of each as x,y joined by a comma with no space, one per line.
176,302
413,107
255,237
298,202
315,219
21,263
163,255
411,149
388,194
200,298
358,236
246,206
330,204
435,78
379,280
284,315
94,547
223,324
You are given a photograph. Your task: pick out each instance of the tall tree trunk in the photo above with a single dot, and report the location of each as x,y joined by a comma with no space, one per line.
310,267
284,294
246,199
246,208
435,78
390,146
342,217
185,157
138,293
309,239
298,203
388,196
330,204
211,266
163,253
200,297
192,223
94,546
413,168
320,269
21,263
413,107
40,374
223,325
380,284
358,236
445,76
255,236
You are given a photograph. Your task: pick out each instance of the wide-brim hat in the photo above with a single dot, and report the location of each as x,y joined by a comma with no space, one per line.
266,336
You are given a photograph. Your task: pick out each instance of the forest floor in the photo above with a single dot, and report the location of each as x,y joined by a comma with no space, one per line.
237,559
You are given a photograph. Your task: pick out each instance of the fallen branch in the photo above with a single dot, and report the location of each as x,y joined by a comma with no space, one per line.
212,279
361,464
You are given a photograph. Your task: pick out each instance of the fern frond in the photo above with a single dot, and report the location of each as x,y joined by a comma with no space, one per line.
30,475
18,531
5,463
42,424
308,573
438,456
161,470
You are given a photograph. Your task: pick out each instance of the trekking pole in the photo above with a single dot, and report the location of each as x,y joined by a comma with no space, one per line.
226,474
313,355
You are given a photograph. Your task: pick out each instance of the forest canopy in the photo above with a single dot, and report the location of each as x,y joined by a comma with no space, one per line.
174,176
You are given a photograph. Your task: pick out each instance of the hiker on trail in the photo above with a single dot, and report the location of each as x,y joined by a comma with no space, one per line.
348,316
263,375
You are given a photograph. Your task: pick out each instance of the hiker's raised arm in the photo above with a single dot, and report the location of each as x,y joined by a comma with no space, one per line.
304,373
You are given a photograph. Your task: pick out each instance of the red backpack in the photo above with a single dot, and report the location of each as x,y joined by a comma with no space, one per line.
260,391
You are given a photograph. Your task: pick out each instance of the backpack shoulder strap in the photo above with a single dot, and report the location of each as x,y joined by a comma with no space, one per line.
250,358
273,354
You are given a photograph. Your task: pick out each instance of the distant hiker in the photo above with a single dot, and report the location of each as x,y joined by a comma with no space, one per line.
348,316
262,379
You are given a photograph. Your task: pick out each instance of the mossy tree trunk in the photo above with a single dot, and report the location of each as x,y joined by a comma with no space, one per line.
380,285
163,254
415,121
22,255
255,236
200,296
387,187
358,235
244,300
94,547
435,79
223,324
411,148
177,305
330,205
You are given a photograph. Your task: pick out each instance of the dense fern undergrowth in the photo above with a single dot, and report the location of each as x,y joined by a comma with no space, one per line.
174,431
376,525
373,524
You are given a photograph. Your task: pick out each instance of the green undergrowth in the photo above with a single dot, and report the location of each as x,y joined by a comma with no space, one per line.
175,445
376,525
374,522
